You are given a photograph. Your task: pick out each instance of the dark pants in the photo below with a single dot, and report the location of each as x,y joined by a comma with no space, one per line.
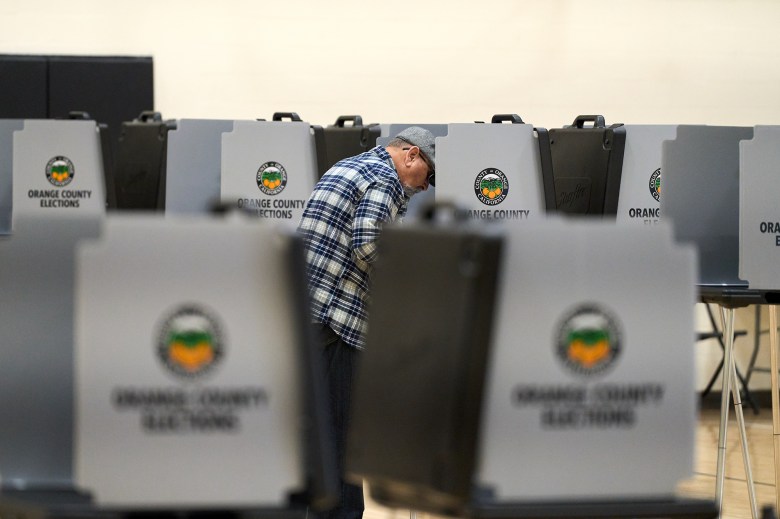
340,363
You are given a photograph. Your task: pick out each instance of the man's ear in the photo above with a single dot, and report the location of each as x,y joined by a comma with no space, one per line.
414,152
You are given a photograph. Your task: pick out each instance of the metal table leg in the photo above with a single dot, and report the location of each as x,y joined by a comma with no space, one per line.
731,388
773,344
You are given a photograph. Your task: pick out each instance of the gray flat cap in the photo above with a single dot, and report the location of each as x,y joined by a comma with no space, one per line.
423,139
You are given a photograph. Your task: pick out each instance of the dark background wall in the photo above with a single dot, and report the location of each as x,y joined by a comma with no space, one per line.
111,89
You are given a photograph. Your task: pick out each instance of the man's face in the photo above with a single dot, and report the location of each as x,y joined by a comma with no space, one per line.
414,177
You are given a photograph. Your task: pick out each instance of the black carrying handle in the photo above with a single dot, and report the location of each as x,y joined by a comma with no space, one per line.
279,116
501,118
76,115
442,210
356,120
148,115
597,120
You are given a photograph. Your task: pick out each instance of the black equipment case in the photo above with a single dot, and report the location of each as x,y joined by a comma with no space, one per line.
423,369
585,164
141,162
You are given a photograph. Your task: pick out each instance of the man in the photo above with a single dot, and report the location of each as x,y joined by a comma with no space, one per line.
340,225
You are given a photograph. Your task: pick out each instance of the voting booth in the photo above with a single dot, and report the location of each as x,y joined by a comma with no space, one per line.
640,181
36,357
515,390
140,169
205,378
51,187
701,196
581,367
418,388
759,245
341,140
58,169
269,168
491,171
759,209
193,177
7,129
586,160
701,200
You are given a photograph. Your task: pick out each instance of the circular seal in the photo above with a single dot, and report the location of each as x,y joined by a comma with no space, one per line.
60,171
588,339
271,178
655,184
189,341
491,186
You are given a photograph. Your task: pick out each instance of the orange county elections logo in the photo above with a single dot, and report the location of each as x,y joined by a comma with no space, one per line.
655,184
491,186
589,340
271,178
189,342
60,171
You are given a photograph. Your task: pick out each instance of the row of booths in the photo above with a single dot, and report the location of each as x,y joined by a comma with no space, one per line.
190,166
155,354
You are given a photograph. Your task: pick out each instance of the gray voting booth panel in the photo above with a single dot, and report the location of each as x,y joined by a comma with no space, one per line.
268,168
184,374
7,129
58,169
640,184
492,171
420,200
194,165
701,198
759,209
36,349
584,375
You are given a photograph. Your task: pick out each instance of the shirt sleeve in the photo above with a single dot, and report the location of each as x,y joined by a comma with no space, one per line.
378,205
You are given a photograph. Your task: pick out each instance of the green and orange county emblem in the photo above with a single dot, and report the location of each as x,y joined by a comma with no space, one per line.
589,340
491,186
655,184
271,178
190,341
59,171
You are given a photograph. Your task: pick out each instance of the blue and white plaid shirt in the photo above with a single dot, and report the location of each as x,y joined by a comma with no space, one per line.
340,225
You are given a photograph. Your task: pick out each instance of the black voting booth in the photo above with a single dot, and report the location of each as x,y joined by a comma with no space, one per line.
141,162
449,362
416,408
341,140
584,164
